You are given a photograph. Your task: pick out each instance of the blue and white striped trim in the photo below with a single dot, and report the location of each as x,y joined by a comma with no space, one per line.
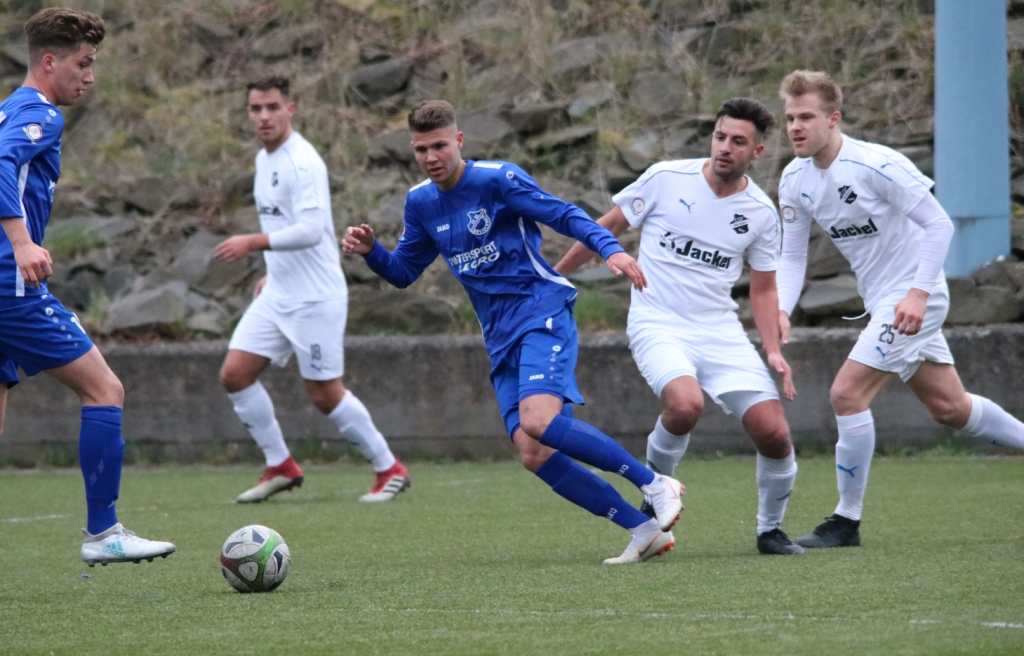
19,281
489,165
544,273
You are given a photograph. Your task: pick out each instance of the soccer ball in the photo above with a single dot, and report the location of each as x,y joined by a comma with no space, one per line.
255,559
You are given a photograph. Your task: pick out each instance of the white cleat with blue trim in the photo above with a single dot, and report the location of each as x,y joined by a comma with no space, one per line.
119,545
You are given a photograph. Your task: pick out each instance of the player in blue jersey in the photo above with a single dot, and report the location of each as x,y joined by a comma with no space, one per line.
36,332
483,217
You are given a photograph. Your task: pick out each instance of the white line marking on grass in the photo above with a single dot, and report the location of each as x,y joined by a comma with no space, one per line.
41,518
1002,625
468,481
924,621
597,613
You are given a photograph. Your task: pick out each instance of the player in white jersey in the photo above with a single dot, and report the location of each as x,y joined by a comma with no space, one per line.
300,306
698,217
878,210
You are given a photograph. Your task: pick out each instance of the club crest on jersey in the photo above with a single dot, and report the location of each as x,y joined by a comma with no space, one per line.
273,179
739,224
33,131
479,222
866,230
698,253
846,194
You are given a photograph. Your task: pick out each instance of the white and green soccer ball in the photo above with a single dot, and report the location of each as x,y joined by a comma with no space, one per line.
255,559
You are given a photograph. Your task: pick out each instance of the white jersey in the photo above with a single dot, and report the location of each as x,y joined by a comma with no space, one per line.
861,201
692,243
291,179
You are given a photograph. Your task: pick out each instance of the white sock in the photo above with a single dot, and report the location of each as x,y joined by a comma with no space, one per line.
256,411
854,451
990,422
775,478
356,426
665,450
650,526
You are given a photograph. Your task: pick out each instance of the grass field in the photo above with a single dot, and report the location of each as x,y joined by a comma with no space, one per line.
484,559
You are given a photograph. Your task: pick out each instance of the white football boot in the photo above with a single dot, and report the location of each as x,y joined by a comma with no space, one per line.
119,545
647,542
665,495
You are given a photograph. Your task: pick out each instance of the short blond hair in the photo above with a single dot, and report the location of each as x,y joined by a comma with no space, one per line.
801,83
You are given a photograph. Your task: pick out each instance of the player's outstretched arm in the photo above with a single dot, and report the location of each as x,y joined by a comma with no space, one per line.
614,222
237,247
416,250
358,240
33,260
622,263
764,301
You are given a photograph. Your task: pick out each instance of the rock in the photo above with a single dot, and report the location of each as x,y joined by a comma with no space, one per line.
590,96
532,119
1017,189
391,147
595,203
1017,234
680,48
238,186
484,135
613,178
1015,34
907,133
118,279
373,83
641,152
164,305
566,138
210,31
835,296
391,311
99,228
727,38
208,322
153,194
826,260
500,86
573,59
196,265
372,54
1003,272
285,42
659,93
390,212
969,304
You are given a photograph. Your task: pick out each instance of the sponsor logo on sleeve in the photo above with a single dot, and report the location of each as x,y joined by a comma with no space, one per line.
509,174
479,222
739,224
788,214
637,205
34,132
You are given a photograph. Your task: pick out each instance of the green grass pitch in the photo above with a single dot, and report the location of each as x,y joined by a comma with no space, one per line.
484,559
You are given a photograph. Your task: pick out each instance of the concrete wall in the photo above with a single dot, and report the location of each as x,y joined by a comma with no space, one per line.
431,397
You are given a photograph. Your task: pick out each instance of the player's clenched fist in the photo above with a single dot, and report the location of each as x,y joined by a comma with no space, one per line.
358,240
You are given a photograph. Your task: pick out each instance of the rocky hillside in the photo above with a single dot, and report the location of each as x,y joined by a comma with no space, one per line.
584,94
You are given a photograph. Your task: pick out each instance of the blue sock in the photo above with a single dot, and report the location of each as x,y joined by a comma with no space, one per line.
588,445
100,453
588,491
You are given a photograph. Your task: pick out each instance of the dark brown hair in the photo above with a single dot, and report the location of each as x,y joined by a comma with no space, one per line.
431,115
747,109
269,82
61,32
801,83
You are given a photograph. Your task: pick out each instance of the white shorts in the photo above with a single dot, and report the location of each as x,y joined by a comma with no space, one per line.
881,347
720,357
315,332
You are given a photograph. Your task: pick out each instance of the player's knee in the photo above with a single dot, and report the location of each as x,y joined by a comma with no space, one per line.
232,380
111,391
680,414
533,455
534,424
845,401
948,412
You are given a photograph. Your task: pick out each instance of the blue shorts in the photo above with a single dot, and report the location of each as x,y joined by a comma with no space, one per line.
38,333
541,361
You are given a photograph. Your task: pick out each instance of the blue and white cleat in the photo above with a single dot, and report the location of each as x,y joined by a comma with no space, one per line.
665,496
119,545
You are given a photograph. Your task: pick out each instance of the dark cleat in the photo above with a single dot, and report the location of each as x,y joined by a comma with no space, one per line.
777,543
835,531
646,508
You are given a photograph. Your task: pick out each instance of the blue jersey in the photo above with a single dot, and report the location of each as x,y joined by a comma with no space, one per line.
30,132
486,230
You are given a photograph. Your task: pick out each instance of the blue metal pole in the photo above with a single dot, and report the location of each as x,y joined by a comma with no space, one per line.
972,159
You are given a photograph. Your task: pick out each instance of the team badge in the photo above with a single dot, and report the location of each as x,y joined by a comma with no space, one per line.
739,224
788,214
479,222
273,179
34,132
637,205
846,194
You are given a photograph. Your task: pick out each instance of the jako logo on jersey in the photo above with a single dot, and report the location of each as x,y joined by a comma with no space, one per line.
537,377
273,179
854,230
695,252
479,222
34,132
846,194
739,224
472,259
442,228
